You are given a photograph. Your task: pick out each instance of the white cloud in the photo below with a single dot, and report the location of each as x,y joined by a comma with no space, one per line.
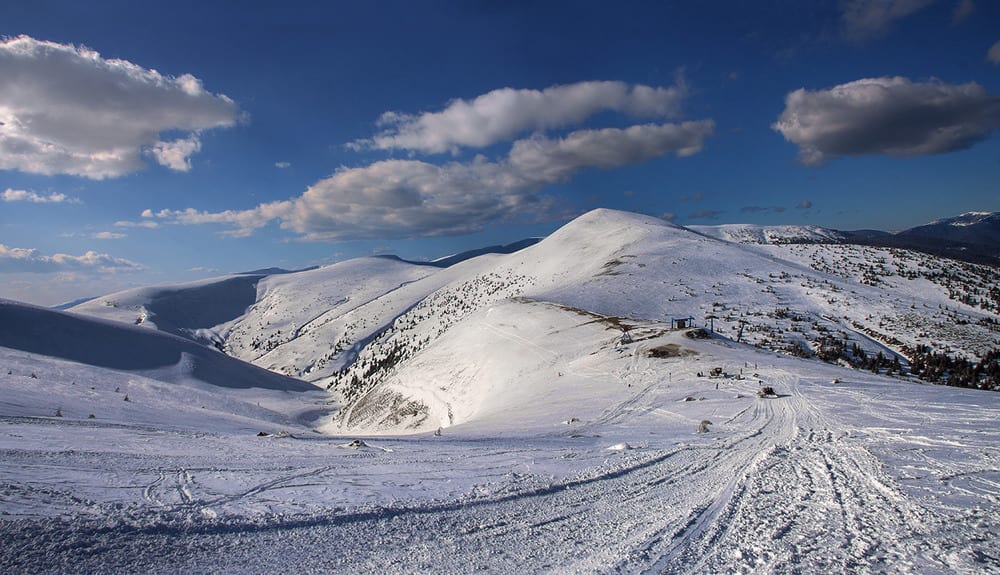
864,19
18,260
393,198
244,221
66,110
503,114
994,54
887,116
547,161
10,195
176,155
143,224
109,236
407,198
282,165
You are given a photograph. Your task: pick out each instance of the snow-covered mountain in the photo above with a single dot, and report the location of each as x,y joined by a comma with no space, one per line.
368,328
971,237
624,269
559,412
758,234
970,227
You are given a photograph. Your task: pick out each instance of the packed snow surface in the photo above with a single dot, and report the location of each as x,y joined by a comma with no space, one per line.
501,421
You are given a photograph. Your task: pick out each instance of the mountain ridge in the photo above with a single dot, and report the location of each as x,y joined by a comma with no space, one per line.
359,327
971,237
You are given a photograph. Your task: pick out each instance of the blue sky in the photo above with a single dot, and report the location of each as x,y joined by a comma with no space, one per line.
146,142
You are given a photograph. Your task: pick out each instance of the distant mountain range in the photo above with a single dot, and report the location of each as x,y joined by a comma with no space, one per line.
972,236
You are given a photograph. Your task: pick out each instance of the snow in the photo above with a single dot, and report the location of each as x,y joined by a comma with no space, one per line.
180,309
966,219
503,426
127,348
867,475
757,234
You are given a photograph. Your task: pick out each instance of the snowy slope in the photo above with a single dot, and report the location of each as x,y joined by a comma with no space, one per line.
301,321
112,345
283,321
559,447
970,227
635,269
604,470
758,234
196,310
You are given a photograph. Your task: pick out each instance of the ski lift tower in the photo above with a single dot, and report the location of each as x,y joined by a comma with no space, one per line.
739,335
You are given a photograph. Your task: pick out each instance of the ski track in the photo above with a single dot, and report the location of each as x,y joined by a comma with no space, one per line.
782,487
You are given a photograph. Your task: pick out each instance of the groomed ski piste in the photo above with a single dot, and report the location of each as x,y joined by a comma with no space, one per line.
527,436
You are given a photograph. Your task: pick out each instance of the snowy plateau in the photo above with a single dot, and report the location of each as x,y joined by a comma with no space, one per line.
623,396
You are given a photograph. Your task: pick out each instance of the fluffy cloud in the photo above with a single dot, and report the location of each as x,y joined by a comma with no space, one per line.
10,195
887,116
394,198
176,155
994,54
387,199
550,161
406,198
15,260
244,221
66,110
503,114
864,19
143,224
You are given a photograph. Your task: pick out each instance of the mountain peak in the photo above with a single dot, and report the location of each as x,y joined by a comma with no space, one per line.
974,228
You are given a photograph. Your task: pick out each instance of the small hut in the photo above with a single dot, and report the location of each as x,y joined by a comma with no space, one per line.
681,322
